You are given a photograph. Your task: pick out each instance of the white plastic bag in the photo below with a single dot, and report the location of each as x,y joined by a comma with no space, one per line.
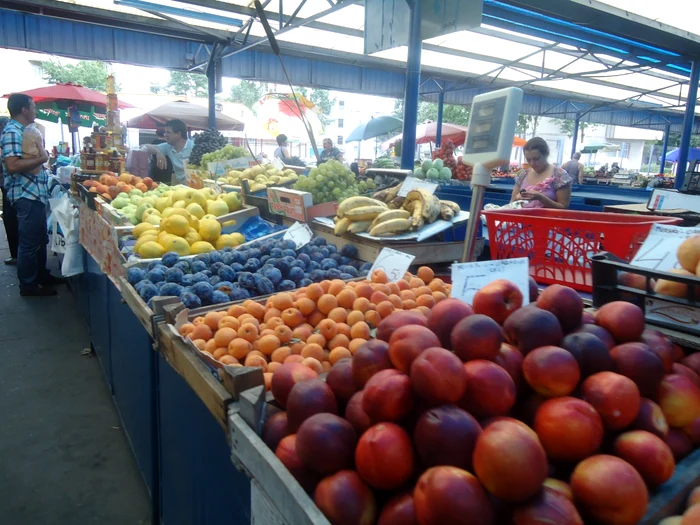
66,234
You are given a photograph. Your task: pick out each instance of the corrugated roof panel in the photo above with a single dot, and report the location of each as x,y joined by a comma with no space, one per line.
12,30
152,50
73,39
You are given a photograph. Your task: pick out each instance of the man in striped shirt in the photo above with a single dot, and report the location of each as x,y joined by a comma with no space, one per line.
28,195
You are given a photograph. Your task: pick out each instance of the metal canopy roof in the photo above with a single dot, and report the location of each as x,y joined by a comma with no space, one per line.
629,70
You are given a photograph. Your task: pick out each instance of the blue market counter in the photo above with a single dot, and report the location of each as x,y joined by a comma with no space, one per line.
182,452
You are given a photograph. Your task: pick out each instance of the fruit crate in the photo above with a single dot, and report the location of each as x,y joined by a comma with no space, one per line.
560,243
87,196
680,314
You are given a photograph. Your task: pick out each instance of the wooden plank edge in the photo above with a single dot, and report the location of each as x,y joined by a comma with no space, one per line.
207,387
141,310
271,475
670,498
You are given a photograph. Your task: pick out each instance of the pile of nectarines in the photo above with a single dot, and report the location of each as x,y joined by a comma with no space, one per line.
317,325
109,186
490,413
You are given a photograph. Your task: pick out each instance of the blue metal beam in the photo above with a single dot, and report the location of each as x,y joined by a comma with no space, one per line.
576,126
441,106
664,151
688,124
177,11
410,105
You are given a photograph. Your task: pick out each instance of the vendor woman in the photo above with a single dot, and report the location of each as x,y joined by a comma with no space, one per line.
542,185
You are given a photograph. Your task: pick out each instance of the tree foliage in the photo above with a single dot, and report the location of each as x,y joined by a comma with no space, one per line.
674,141
322,99
527,123
247,92
567,127
88,73
427,111
183,83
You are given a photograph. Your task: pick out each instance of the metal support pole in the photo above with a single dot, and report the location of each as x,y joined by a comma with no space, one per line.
410,106
664,151
438,133
576,126
481,178
688,124
211,89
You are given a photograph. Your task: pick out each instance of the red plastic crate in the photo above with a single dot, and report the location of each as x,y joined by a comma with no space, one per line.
559,243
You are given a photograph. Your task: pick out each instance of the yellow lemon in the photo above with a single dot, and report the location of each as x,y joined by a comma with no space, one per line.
153,219
195,209
177,225
151,250
227,240
163,237
209,216
142,228
146,237
192,237
209,229
163,203
238,237
194,222
178,245
167,212
201,247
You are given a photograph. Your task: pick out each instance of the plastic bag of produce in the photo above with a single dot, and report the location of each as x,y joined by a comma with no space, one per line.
32,144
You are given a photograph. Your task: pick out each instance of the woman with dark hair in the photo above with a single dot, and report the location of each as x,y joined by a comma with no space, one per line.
9,215
543,185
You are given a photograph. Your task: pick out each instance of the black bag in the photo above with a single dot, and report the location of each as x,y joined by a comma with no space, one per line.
161,175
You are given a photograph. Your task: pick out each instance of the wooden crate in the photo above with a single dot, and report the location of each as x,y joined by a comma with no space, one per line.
671,497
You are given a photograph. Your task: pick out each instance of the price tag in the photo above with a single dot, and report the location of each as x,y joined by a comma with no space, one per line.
394,263
659,249
414,183
300,233
469,278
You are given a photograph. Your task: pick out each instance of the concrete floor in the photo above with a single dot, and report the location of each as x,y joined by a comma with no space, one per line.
64,460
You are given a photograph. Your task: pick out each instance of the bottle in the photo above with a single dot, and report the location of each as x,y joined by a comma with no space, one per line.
115,162
111,85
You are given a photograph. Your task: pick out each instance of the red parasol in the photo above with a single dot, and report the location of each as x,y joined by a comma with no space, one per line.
69,92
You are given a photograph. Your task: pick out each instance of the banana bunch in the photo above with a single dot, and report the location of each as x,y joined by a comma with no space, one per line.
356,214
423,207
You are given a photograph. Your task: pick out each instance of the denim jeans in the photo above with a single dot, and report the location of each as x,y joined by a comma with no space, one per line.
9,219
33,238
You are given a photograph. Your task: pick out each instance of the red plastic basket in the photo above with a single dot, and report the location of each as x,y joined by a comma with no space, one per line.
559,243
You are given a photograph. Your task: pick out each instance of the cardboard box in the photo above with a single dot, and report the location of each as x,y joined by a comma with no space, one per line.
289,203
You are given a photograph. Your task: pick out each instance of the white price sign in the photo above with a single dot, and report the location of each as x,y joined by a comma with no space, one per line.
659,249
394,263
469,278
300,233
414,183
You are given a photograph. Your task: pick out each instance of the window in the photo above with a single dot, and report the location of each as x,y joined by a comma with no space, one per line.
340,122
340,140
625,152
341,104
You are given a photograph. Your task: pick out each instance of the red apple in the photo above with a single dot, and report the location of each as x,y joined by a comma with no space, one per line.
444,316
498,299
565,303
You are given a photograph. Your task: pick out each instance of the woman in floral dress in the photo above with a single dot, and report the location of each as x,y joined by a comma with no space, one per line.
542,185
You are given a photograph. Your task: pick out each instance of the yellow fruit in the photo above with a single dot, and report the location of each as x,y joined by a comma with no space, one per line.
146,237
178,245
163,237
151,250
232,200
196,210
163,203
180,193
142,228
153,219
193,237
167,212
209,229
201,247
177,225
231,240
195,197
229,223
194,222
217,208
209,216
179,204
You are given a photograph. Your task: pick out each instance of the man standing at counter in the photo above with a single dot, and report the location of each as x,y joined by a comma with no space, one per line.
329,152
176,148
574,168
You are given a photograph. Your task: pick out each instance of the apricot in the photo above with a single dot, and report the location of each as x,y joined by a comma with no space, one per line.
326,443
446,435
615,397
388,396
610,490
451,495
569,429
438,376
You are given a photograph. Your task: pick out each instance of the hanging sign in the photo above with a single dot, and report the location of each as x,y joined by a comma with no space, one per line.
393,262
469,278
659,249
299,233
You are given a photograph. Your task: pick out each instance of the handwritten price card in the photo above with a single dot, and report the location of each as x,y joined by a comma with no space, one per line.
394,263
299,233
414,183
469,278
659,249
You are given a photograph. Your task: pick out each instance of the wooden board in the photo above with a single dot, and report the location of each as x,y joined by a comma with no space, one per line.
670,499
141,310
292,506
198,376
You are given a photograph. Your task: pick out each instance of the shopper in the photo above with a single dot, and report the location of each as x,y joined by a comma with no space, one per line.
330,152
9,216
282,151
543,185
27,193
176,148
575,168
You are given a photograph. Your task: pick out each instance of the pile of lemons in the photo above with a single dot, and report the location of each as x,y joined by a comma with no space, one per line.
181,232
